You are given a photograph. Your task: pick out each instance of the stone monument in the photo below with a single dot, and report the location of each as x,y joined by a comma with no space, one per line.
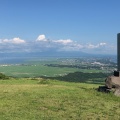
118,51
112,83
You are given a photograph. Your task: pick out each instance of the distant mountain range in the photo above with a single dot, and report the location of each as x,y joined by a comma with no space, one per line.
49,54
44,54
20,57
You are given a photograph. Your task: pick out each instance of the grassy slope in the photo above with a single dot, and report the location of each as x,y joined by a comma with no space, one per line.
25,99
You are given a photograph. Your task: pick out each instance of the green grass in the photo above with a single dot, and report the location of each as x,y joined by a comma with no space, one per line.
39,70
40,99
34,71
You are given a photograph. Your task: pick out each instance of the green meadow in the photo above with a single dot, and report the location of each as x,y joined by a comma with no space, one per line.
45,99
39,68
35,91
35,71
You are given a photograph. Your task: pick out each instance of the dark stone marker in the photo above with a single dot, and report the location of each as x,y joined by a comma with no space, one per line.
116,73
118,51
112,83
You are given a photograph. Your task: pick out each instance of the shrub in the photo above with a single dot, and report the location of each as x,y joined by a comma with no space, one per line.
2,76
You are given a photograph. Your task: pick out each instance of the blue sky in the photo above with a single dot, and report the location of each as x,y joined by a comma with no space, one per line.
63,25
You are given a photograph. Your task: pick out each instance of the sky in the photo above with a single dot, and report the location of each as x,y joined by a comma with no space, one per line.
89,26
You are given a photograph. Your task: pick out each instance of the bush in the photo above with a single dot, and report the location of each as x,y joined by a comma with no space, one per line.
2,76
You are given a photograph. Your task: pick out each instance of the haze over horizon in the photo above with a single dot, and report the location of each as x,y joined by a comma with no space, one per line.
30,26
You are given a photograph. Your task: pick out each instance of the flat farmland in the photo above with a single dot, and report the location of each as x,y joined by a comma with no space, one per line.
35,71
43,68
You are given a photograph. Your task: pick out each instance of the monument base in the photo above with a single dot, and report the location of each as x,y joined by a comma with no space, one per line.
112,84
117,73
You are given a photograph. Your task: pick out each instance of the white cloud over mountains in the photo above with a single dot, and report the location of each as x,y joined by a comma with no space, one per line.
14,41
64,42
42,44
91,46
41,38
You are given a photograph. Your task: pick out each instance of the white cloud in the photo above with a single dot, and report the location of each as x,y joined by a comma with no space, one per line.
5,41
102,44
18,41
92,46
14,41
64,42
41,38
42,44
67,45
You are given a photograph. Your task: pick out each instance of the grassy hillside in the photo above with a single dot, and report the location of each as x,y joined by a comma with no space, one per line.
40,99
